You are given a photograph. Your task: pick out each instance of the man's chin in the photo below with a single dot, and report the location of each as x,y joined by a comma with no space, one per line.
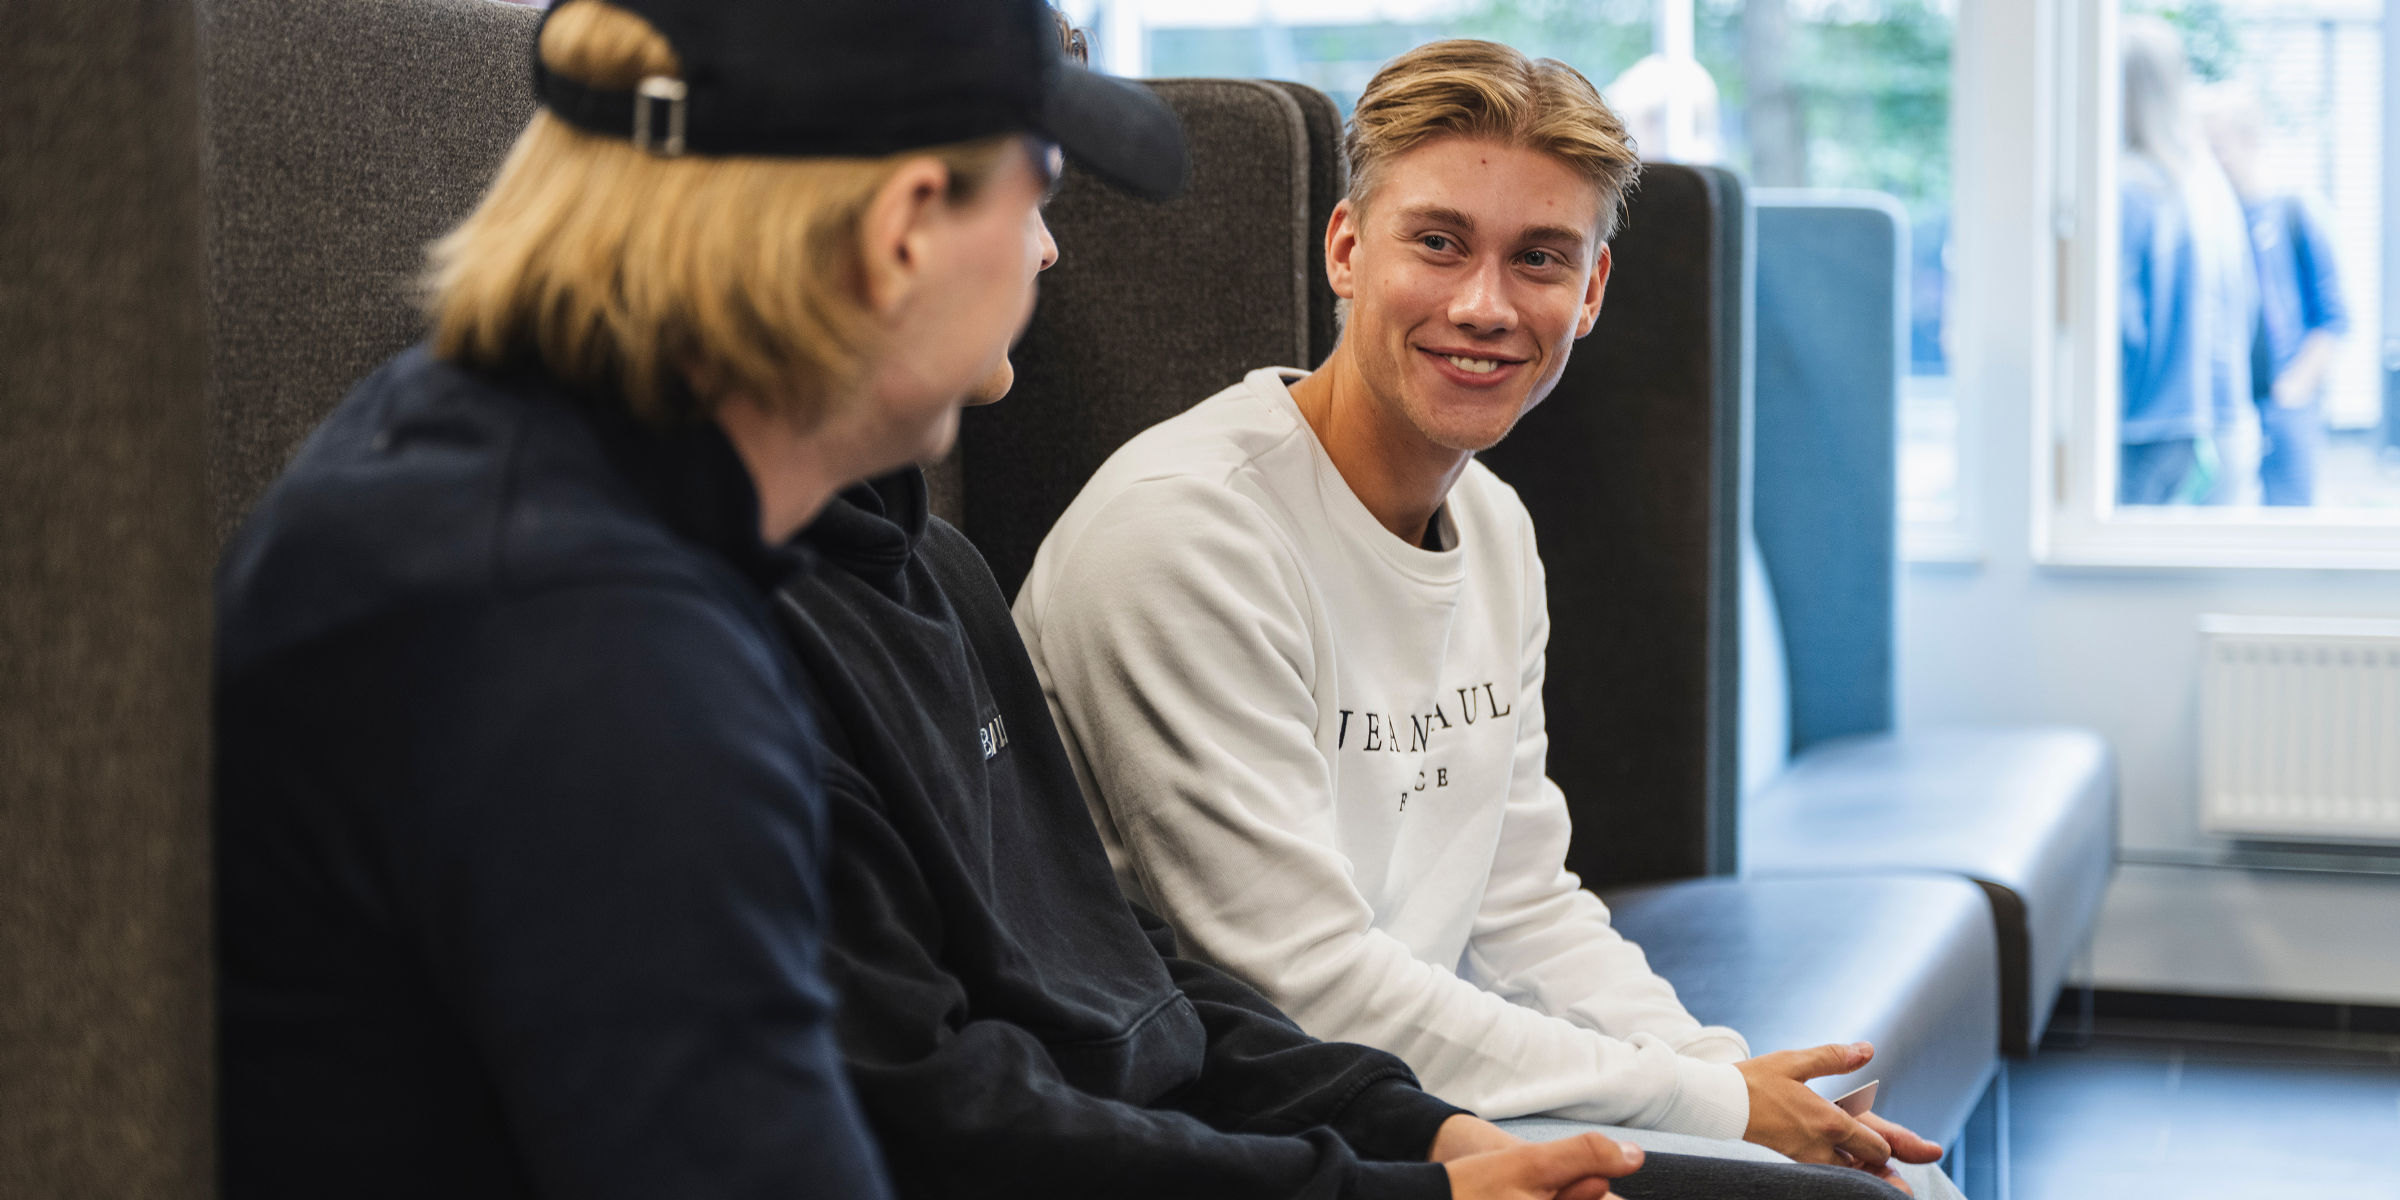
994,386
1473,434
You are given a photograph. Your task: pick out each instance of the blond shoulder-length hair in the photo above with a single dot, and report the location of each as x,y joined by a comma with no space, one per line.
1471,88
625,273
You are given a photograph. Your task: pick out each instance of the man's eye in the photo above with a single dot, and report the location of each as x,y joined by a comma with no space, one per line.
1540,258
1435,242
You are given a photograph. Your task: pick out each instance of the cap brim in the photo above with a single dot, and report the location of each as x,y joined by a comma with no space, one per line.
1118,130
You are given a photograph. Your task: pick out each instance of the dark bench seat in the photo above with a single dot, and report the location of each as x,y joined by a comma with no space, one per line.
1905,962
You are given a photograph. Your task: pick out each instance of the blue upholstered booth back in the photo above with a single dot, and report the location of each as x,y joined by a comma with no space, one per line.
1831,345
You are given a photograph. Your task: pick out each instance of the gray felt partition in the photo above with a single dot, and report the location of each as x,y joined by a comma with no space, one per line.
105,546
1632,471
1151,308
1328,179
342,136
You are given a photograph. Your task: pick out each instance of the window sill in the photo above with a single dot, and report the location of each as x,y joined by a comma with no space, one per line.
2202,540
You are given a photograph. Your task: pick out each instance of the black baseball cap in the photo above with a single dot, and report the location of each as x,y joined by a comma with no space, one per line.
811,78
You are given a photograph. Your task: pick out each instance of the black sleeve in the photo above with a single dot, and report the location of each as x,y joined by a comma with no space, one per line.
1265,1075
621,876
969,1106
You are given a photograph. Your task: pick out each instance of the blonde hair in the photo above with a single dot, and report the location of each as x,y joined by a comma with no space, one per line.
617,270
1469,88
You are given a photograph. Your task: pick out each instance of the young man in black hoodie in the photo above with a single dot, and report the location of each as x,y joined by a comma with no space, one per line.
1012,1025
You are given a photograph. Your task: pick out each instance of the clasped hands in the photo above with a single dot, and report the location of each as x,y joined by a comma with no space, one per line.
1487,1162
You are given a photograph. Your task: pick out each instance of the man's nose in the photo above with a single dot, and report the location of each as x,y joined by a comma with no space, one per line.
1482,305
1041,229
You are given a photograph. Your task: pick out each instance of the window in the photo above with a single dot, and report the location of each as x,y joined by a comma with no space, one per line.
2229,397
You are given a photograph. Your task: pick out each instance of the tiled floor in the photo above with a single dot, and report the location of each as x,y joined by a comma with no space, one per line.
2166,1112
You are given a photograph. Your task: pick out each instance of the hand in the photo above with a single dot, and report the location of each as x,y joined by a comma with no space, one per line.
1467,1134
1575,1168
1785,1116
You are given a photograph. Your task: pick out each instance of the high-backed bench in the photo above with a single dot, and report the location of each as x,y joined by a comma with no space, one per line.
345,133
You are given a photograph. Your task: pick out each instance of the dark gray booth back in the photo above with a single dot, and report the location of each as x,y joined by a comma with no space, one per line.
1631,469
1151,308
1632,472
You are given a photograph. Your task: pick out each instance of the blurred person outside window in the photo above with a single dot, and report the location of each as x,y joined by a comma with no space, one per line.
2301,315
2188,429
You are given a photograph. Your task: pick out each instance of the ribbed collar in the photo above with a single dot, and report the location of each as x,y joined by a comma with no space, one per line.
871,529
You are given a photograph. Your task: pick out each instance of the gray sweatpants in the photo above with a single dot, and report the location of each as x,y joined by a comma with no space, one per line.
1679,1166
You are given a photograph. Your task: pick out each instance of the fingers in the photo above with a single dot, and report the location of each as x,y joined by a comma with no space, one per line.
1837,1058
1589,1189
1862,1144
1906,1145
1554,1165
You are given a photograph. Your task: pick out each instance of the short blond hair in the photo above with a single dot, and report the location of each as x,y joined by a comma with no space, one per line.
618,270
1464,87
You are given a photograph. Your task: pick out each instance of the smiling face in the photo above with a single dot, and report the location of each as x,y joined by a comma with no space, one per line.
1470,271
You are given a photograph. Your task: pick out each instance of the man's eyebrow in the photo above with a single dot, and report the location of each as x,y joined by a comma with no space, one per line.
1556,233
1436,214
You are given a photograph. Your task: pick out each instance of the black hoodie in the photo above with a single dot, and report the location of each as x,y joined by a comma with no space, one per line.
1013,1026
519,837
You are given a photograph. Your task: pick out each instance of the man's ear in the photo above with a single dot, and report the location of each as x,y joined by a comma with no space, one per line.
1593,290
1341,243
895,232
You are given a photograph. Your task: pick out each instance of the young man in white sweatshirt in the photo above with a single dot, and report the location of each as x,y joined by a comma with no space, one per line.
1294,639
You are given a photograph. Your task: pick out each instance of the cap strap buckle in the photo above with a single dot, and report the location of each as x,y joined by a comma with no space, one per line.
652,92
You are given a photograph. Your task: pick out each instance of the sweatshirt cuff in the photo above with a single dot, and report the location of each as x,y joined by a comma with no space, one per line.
1717,1045
1393,1121
1711,1100
1398,1181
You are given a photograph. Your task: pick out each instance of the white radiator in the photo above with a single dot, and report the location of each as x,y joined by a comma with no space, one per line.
2300,728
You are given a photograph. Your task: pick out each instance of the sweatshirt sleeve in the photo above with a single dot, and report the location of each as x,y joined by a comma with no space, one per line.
1179,659
619,879
967,1104
1264,1075
1543,941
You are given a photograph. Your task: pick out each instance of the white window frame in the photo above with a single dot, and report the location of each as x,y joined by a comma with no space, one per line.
2075,521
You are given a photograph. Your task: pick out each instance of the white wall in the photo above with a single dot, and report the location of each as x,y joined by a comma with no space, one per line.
2008,640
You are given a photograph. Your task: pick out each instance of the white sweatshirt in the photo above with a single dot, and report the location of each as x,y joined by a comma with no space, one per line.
1317,751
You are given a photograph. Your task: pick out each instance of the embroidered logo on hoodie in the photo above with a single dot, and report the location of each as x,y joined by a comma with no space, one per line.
995,737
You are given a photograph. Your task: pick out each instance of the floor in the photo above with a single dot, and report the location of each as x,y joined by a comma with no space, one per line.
2150,1111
